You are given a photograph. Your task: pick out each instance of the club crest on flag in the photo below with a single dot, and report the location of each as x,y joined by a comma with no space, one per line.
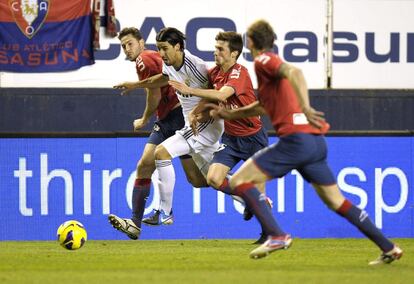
29,15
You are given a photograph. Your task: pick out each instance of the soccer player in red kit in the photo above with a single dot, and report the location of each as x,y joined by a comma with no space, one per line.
165,103
233,89
283,95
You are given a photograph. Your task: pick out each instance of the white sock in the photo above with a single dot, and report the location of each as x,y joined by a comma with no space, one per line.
166,182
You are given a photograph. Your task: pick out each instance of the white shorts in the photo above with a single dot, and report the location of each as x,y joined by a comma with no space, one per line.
202,154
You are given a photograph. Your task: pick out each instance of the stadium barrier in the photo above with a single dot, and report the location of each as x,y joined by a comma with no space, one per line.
88,110
45,181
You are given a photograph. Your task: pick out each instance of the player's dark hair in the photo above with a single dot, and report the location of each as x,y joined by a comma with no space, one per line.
130,31
234,39
172,36
262,35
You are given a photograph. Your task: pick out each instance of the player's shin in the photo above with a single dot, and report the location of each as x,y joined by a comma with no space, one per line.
139,197
360,219
257,203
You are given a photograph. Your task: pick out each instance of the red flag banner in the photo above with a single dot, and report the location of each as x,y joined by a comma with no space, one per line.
45,35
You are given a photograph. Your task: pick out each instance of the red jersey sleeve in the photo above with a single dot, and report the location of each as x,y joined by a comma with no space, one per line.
279,99
267,65
148,65
237,79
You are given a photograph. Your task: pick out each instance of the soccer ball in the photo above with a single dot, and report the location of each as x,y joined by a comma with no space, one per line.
71,235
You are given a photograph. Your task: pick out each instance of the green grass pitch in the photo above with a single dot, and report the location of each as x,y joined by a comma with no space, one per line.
201,261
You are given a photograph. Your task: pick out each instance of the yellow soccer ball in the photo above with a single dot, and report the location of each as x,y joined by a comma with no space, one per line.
71,235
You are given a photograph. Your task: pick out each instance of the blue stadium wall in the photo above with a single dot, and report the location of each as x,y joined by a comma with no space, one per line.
70,154
104,110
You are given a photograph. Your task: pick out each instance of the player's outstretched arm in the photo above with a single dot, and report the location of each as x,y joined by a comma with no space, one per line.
210,94
156,81
298,82
253,109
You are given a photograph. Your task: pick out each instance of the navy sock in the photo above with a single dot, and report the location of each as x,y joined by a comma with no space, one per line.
225,187
257,203
360,219
139,198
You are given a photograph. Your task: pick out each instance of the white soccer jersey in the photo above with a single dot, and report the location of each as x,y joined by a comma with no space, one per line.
193,73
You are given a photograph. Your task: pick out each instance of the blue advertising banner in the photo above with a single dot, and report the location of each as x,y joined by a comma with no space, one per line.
46,181
45,35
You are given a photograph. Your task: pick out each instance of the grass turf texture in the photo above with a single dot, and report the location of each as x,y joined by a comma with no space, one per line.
201,261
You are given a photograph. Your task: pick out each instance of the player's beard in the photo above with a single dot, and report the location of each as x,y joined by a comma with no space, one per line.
219,61
132,58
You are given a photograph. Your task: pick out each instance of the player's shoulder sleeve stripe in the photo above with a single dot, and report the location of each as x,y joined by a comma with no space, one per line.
202,78
195,71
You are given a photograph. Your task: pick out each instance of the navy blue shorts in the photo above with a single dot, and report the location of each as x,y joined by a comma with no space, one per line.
167,127
239,148
306,153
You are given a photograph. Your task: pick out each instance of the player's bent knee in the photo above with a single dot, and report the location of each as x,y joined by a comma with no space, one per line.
214,181
161,153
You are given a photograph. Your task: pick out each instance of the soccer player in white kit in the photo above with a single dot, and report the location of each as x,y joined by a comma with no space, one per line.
180,65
